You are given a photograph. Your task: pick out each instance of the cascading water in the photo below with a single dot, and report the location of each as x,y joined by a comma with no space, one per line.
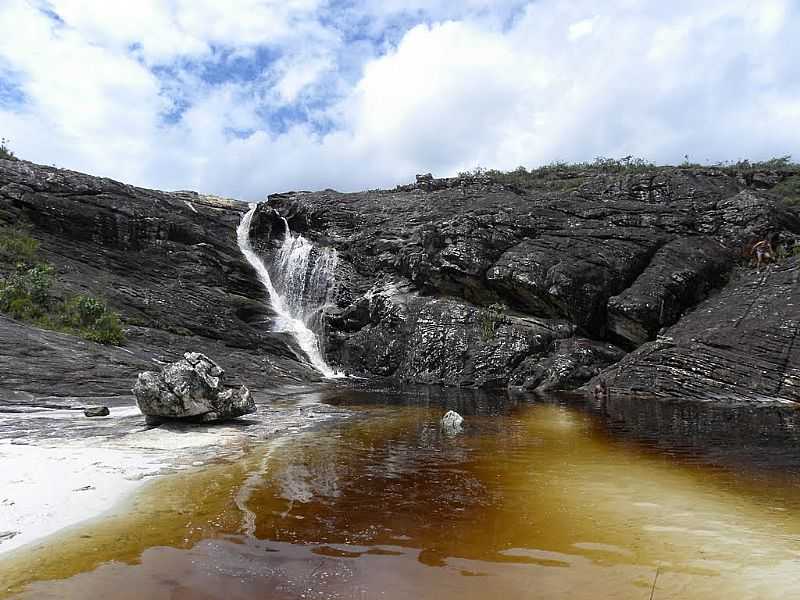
304,277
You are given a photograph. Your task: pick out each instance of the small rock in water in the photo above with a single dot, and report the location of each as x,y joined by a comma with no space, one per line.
451,422
96,411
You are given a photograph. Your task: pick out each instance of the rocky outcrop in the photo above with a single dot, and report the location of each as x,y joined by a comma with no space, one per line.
190,388
744,342
573,273
96,411
392,331
565,365
680,275
167,262
463,281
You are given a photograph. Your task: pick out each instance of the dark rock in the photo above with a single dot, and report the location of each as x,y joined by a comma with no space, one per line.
565,366
394,332
740,343
190,388
462,281
167,262
96,411
680,275
613,258
572,276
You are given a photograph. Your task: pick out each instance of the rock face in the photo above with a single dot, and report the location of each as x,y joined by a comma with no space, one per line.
466,281
463,281
167,262
743,342
565,365
190,388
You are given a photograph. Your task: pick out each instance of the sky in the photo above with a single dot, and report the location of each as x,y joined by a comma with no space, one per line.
243,98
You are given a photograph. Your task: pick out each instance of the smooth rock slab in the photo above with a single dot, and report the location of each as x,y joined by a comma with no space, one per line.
190,388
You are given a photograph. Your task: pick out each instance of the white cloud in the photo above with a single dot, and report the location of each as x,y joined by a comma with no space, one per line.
580,29
492,83
298,72
166,30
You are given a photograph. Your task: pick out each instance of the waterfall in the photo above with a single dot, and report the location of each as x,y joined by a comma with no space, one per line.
303,278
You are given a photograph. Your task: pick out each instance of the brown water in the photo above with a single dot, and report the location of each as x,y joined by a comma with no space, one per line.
532,500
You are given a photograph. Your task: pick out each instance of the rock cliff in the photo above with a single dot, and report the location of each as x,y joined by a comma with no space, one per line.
633,276
167,262
469,281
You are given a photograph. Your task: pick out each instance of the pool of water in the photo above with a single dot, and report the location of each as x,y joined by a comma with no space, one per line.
536,499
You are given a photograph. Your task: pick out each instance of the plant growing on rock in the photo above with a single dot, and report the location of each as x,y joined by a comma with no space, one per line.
493,315
789,190
5,151
16,246
92,319
25,294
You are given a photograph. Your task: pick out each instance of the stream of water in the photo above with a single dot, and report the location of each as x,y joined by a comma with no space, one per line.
303,284
544,499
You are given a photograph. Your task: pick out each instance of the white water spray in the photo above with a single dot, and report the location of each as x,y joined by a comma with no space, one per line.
303,293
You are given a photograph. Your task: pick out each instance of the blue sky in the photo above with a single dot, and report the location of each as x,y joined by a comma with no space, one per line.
247,97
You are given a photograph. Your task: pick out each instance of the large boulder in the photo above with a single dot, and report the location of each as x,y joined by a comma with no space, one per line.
190,388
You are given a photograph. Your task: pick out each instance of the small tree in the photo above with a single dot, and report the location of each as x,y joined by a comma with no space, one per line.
5,151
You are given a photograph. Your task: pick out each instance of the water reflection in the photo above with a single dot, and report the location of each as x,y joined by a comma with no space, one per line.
467,402
750,436
538,499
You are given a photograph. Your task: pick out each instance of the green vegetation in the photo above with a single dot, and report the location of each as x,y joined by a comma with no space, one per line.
5,151
789,190
25,294
560,170
92,319
779,163
17,246
491,317
563,177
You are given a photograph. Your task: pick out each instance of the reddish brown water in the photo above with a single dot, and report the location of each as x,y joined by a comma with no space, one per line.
539,500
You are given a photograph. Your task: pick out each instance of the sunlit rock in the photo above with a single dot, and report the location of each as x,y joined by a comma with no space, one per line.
190,388
452,423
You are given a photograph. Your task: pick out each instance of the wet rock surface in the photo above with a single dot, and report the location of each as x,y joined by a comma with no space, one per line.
167,262
395,332
462,281
190,388
571,275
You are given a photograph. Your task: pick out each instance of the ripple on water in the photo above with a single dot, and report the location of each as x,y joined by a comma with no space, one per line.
533,500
